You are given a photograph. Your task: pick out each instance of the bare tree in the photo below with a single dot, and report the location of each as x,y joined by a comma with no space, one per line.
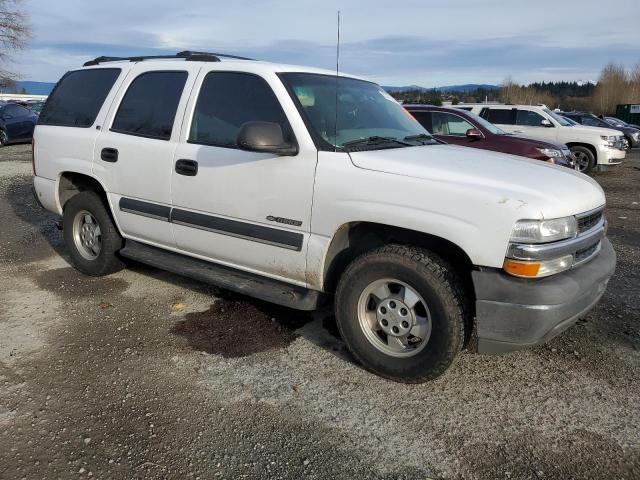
15,31
611,90
634,85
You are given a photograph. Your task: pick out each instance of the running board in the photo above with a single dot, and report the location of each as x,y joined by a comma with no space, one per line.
249,284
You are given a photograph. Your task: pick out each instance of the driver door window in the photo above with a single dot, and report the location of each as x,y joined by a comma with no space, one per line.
449,124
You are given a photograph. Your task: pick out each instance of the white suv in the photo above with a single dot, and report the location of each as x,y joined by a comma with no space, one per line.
593,147
294,185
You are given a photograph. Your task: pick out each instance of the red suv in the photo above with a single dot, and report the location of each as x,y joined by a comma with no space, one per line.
461,127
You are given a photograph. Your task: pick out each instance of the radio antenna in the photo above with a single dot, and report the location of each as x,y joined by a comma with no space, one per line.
335,124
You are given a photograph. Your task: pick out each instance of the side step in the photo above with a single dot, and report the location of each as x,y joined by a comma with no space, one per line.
246,283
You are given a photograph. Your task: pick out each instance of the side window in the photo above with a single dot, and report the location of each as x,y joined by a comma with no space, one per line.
590,121
500,116
424,119
448,124
528,118
78,97
149,107
226,101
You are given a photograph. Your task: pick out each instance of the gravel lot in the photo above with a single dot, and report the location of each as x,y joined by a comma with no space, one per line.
144,374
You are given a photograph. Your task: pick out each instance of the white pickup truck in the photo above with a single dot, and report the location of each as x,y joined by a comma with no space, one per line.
298,186
593,147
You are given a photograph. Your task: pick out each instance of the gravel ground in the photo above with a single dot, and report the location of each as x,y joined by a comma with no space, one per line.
144,374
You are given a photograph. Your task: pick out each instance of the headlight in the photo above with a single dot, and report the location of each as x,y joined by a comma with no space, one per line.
542,231
550,152
611,138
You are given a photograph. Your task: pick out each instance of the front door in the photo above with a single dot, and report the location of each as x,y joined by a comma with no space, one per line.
530,124
134,151
244,209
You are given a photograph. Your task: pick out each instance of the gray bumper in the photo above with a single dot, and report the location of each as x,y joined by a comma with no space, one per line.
514,313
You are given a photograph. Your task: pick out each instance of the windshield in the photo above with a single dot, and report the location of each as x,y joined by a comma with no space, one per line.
486,124
367,116
617,121
558,118
572,122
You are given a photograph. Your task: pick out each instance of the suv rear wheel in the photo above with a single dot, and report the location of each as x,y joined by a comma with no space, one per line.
90,235
585,160
400,310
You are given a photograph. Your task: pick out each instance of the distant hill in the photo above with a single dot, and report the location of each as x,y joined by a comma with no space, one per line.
469,87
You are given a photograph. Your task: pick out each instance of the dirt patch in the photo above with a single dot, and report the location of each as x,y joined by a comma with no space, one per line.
69,283
235,328
29,232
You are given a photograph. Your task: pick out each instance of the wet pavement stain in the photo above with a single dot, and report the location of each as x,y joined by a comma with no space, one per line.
237,328
69,283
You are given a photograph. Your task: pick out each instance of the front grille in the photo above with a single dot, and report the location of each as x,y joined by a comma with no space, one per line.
588,221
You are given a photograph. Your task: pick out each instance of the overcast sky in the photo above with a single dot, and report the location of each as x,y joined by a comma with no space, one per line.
402,42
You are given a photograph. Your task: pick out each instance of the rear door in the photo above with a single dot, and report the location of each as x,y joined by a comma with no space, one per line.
14,121
245,209
134,151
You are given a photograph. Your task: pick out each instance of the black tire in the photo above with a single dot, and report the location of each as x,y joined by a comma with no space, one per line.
585,159
4,139
433,279
107,260
629,142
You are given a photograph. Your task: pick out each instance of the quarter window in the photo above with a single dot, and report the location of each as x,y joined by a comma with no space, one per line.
528,118
149,107
227,100
78,97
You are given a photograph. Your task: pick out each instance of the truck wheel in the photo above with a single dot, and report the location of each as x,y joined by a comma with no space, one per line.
90,235
585,159
401,312
627,143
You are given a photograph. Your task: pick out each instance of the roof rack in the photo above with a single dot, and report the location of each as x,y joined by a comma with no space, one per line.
188,55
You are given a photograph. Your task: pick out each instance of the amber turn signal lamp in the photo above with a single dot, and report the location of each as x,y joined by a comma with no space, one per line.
521,269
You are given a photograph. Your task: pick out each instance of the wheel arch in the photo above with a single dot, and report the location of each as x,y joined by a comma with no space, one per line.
591,148
355,238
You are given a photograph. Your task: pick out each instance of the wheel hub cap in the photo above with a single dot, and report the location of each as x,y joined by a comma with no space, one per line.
87,235
394,317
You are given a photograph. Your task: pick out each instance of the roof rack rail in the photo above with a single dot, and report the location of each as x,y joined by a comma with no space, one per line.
188,55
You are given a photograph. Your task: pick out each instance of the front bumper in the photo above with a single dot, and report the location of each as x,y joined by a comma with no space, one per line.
514,313
610,156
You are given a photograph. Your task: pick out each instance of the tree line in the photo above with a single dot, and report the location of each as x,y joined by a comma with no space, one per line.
616,85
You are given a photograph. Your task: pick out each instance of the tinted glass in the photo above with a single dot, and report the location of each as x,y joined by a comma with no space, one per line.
449,124
593,121
528,118
500,115
424,118
484,123
228,100
364,110
558,118
15,110
149,107
78,97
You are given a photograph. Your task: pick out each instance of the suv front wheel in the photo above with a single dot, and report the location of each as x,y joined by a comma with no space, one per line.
585,160
401,312
90,235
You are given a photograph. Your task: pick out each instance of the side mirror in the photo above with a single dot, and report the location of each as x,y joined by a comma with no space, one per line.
546,123
474,134
265,137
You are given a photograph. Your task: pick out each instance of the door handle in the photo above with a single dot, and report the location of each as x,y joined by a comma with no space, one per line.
187,167
109,155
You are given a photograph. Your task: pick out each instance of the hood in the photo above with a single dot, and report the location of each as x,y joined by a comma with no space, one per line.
583,129
533,142
537,189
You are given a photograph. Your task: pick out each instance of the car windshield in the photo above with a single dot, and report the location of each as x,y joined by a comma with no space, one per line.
615,121
558,118
367,117
572,122
486,124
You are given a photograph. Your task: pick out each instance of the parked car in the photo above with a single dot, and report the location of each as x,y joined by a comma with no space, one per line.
593,147
631,135
212,167
16,123
616,122
465,128
36,107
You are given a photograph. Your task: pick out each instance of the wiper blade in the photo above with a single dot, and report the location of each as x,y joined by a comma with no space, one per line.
419,136
374,140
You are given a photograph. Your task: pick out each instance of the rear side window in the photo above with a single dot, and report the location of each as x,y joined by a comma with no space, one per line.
149,107
227,100
15,110
500,115
78,97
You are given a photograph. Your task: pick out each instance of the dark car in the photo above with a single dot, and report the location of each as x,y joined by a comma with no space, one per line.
631,135
616,122
16,123
461,127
